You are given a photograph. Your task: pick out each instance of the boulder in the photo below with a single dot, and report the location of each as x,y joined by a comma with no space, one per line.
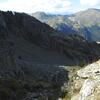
87,89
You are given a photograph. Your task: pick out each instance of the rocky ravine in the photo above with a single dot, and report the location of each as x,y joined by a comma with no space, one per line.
88,83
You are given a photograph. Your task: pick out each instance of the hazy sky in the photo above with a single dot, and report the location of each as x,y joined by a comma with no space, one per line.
49,6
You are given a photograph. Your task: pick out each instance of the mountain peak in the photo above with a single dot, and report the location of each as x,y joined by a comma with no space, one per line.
92,9
40,13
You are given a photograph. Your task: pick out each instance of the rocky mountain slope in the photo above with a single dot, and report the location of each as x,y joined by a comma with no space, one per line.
89,87
85,23
31,55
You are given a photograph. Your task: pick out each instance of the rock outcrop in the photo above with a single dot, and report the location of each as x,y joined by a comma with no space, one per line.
90,87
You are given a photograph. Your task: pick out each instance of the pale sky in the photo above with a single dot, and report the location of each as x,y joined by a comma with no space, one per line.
48,6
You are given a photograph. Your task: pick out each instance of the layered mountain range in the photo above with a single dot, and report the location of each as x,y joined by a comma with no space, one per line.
84,23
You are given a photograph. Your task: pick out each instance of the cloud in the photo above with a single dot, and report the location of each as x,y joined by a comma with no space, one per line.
30,6
91,3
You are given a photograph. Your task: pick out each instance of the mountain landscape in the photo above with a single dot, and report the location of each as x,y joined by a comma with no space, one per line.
84,23
38,62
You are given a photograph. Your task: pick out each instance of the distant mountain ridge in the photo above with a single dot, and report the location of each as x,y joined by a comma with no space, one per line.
85,23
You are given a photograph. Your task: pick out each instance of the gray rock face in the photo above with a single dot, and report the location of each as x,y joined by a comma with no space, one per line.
91,70
90,89
87,89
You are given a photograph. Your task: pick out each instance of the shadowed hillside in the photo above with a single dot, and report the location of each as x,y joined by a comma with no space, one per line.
31,53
